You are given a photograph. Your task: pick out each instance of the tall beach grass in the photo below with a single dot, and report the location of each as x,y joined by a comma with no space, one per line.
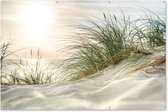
104,42
100,42
151,30
34,71
8,58
24,71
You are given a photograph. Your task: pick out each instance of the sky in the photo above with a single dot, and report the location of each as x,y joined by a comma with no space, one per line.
45,23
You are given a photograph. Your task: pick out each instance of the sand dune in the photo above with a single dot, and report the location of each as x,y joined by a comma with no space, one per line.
126,86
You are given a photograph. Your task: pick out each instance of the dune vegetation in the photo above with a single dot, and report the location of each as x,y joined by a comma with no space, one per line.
15,70
107,41
7,76
99,43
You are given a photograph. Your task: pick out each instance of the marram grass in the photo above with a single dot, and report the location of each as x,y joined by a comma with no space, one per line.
6,62
24,71
98,44
34,71
106,42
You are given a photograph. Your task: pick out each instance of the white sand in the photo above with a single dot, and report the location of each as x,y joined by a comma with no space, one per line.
119,88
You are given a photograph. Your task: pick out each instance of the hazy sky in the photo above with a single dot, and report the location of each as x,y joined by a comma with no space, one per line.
43,23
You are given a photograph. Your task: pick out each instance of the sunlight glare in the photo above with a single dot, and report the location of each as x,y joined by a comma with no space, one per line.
36,19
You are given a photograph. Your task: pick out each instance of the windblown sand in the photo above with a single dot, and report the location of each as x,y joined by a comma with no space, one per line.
129,85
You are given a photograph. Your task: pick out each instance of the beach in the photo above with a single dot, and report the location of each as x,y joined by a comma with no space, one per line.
131,84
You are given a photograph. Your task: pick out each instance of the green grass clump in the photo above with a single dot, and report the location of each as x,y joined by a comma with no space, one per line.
34,71
107,41
7,60
151,30
28,71
102,44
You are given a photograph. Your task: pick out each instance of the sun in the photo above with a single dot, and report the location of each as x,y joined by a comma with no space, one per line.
36,19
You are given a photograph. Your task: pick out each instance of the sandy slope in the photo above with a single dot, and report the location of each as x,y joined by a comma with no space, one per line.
129,85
